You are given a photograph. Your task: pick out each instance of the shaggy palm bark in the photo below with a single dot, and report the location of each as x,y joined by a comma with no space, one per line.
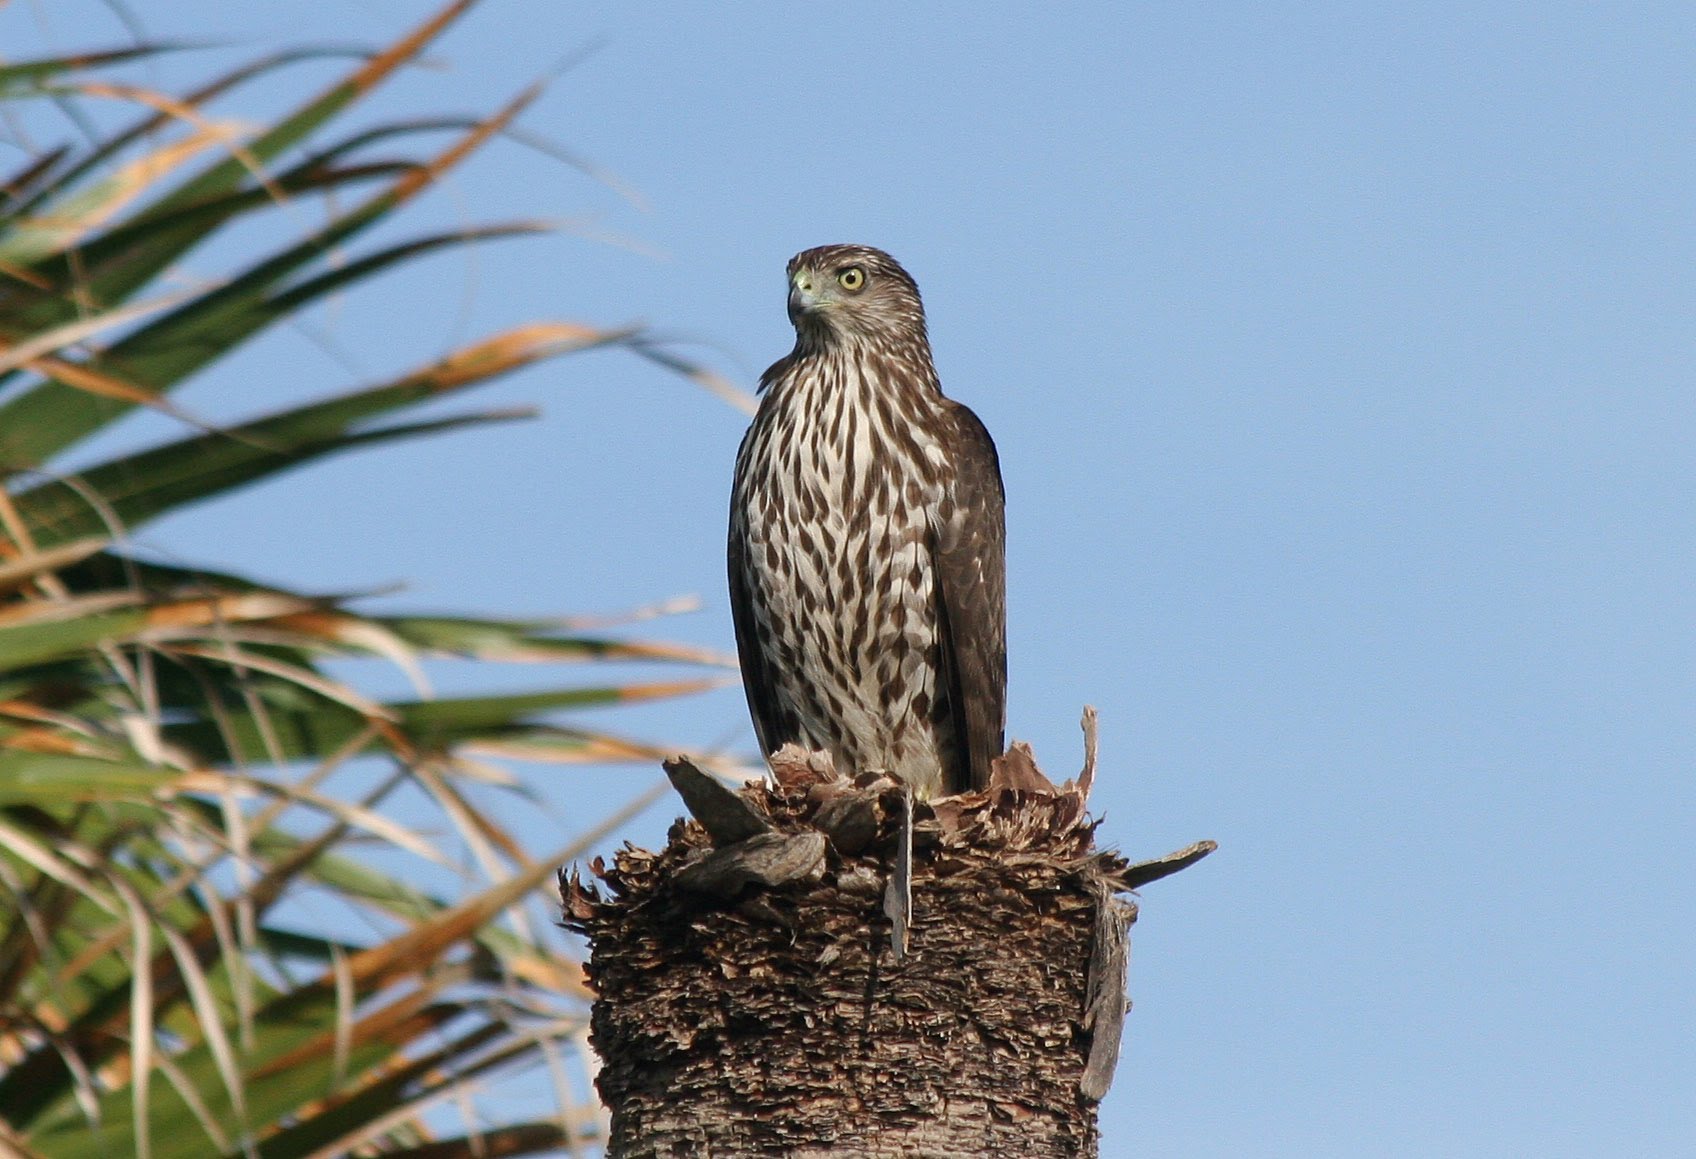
752,1000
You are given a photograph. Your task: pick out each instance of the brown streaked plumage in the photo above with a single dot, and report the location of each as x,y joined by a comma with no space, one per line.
867,574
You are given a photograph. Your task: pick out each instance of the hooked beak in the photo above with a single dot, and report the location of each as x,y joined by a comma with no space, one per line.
803,298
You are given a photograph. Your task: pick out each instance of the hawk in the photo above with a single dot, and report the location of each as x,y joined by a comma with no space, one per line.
867,541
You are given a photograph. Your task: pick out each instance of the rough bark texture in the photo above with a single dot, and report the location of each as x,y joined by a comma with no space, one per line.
749,1003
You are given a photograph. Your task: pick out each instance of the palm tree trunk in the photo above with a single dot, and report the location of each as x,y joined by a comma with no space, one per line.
750,1001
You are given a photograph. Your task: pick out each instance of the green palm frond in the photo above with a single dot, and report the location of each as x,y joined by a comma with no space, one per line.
174,740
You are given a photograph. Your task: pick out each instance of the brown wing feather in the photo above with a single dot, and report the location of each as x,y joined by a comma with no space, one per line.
971,582
772,725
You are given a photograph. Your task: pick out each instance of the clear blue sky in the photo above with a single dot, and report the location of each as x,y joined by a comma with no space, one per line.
1340,358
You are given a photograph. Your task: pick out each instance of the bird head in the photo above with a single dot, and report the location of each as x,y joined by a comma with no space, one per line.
853,291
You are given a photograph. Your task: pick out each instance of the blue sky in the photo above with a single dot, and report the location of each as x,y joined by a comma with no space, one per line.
1339,357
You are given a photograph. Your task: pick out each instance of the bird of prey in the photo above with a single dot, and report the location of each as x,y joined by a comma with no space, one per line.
867,573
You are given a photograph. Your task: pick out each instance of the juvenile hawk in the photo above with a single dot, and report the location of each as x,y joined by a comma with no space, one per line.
867,573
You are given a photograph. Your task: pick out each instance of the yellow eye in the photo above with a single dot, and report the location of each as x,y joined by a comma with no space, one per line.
851,279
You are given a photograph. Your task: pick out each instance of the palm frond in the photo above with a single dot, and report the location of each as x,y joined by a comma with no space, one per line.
222,943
